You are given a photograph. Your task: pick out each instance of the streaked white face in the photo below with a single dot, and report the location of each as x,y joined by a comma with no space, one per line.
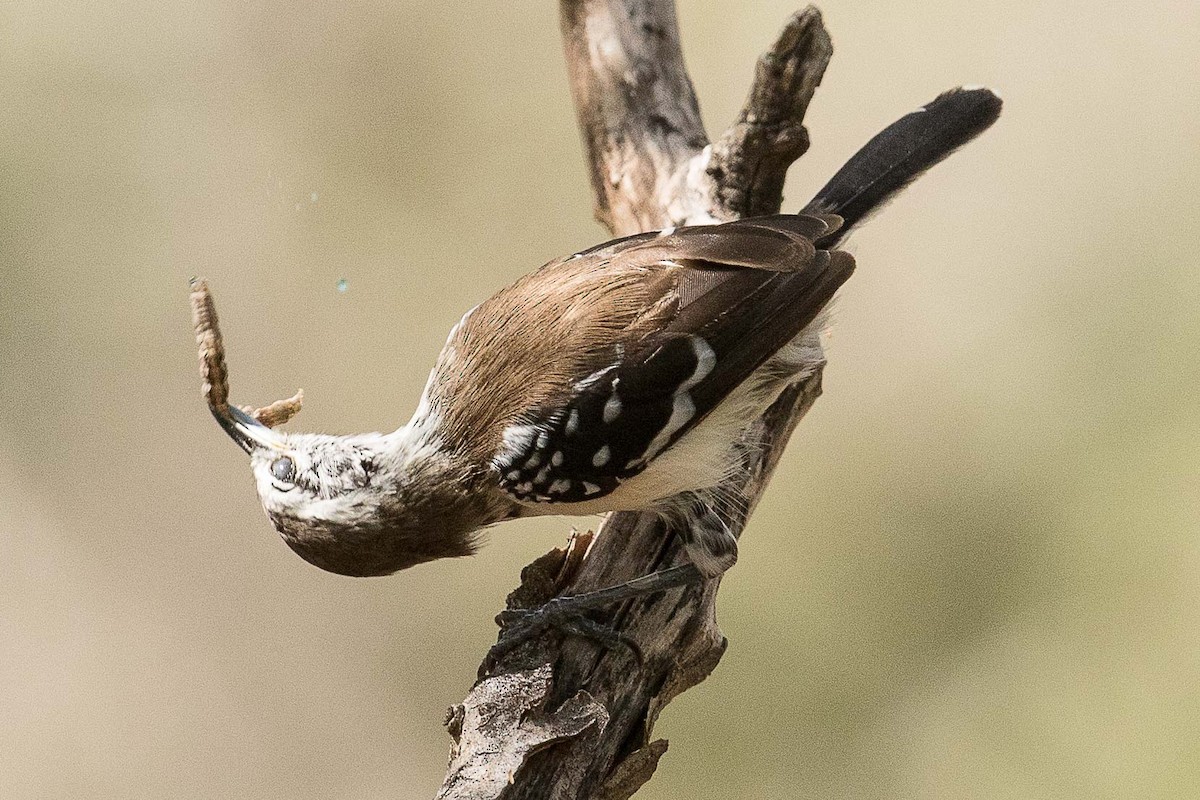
341,502
313,476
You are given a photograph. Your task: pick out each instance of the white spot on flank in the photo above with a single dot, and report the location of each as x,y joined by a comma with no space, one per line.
524,488
682,411
559,486
601,457
533,461
612,409
543,475
543,440
706,359
594,377
556,459
515,440
590,488
512,476
573,422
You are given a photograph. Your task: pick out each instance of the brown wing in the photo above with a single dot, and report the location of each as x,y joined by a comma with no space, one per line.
597,363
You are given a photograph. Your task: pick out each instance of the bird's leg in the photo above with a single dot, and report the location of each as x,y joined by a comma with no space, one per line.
709,544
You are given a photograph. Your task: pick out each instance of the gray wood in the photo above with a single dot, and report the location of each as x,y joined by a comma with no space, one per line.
561,719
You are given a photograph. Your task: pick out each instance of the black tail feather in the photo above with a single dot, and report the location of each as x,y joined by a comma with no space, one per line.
901,152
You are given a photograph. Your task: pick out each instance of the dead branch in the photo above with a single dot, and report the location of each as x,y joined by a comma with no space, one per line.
563,719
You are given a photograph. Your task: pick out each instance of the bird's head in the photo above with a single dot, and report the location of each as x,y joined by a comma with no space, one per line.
356,505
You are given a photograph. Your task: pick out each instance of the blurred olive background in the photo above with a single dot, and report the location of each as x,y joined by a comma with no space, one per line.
976,574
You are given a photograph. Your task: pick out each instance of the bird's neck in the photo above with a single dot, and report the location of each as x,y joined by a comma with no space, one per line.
450,482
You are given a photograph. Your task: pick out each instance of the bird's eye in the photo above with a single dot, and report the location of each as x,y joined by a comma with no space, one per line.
283,469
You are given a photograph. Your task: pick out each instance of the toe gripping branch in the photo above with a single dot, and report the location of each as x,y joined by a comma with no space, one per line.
534,609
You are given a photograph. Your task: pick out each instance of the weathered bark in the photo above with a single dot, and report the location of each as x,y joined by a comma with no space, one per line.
563,719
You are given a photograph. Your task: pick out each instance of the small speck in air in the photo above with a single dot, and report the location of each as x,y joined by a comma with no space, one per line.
343,285
312,198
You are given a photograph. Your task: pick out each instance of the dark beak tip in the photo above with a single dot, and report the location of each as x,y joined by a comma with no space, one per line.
231,418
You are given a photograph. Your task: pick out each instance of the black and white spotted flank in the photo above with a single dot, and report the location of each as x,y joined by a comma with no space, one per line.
616,422
723,321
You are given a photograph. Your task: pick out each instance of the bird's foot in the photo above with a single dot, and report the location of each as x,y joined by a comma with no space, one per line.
566,614
562,614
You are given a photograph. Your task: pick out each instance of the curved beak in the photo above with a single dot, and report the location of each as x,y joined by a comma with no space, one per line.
246,432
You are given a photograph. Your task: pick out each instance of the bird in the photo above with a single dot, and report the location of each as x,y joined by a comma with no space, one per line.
618,378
